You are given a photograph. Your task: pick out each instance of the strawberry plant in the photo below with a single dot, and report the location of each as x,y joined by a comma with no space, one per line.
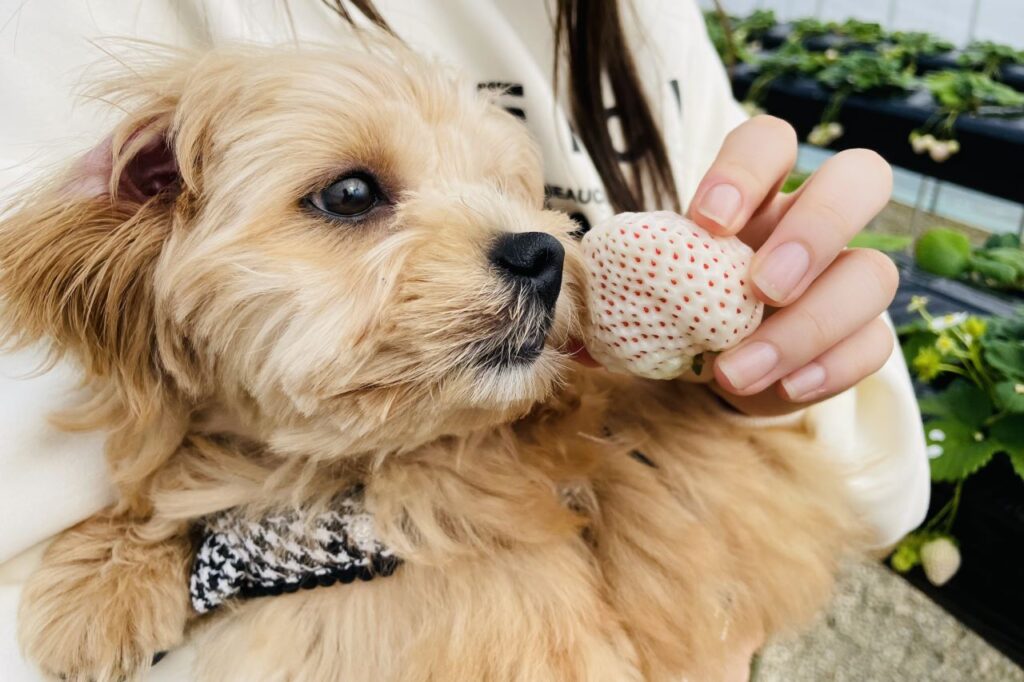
868,32
975,414
908,47
808,28
989,57
856,73
999,264
958,93
792,59
735,39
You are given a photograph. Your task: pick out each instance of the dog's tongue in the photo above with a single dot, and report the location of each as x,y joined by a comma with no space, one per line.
578,352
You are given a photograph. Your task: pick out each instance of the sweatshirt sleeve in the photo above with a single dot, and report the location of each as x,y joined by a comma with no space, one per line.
875,434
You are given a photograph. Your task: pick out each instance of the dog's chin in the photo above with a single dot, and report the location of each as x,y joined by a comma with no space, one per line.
511,354
529,377
516,373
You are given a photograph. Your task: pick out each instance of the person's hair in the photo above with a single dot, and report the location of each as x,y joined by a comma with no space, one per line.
589,34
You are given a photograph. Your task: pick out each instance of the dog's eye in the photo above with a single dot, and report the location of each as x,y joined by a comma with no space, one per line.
348,197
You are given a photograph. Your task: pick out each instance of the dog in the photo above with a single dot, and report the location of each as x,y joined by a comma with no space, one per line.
302,278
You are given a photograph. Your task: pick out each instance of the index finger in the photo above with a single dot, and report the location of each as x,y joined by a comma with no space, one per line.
750,168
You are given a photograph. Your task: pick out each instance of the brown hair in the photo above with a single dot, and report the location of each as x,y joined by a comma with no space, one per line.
589,34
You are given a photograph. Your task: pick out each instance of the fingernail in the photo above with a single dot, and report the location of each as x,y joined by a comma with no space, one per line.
804,381
744,366
783,269
721,204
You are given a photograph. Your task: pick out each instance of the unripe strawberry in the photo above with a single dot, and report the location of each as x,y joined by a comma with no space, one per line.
921,143
662,290
939,151
940,559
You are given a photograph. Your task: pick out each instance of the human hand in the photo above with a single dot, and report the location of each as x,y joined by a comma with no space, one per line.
824,331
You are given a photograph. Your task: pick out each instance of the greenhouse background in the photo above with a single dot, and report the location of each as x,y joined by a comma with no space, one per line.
903,77
957,20
960,22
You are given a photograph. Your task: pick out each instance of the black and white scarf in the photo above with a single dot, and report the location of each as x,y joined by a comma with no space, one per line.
285,552
240,557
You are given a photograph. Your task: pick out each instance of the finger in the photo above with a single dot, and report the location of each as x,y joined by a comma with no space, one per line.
764,221
751,166
843,365
763,404
854,290
839,200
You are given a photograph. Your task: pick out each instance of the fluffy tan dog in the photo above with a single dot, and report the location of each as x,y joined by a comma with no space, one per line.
289,273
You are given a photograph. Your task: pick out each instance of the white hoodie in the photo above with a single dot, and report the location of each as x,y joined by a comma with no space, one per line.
50,480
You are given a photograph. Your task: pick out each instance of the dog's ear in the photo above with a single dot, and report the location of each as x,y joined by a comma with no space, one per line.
77,256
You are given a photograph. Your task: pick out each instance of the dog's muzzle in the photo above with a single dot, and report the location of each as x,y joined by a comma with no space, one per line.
531,261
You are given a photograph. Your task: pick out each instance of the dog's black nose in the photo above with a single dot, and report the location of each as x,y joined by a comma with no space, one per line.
533,259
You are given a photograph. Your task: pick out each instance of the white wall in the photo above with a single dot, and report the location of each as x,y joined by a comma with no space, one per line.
957,20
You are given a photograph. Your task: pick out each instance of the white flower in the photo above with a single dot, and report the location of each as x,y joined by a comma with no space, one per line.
937,435
1018,389
944,322
941,560
934,450
917,304
978,436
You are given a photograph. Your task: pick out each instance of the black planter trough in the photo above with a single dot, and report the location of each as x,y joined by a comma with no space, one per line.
991,148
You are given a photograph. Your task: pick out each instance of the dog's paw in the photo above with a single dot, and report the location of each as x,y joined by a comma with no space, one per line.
102,605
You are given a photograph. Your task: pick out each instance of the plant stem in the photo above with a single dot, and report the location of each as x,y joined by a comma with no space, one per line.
951,517
947,515
730,43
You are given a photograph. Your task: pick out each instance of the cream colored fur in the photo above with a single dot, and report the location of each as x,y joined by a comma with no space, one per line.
245,352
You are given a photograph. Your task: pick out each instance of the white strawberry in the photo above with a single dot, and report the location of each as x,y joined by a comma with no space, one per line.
940,559
662,290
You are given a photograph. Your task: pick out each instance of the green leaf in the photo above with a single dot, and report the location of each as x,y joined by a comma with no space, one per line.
1005,239
1007,357
966,91
1010,396
862,71
957,450
1007,328
963,402
793,182
890,243
1008,255
993,270
1010,432
933,406
1017,461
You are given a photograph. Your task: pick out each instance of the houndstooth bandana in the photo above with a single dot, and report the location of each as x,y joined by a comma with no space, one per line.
285,552
293,550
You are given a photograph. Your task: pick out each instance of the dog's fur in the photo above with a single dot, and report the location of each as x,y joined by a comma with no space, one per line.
246,352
